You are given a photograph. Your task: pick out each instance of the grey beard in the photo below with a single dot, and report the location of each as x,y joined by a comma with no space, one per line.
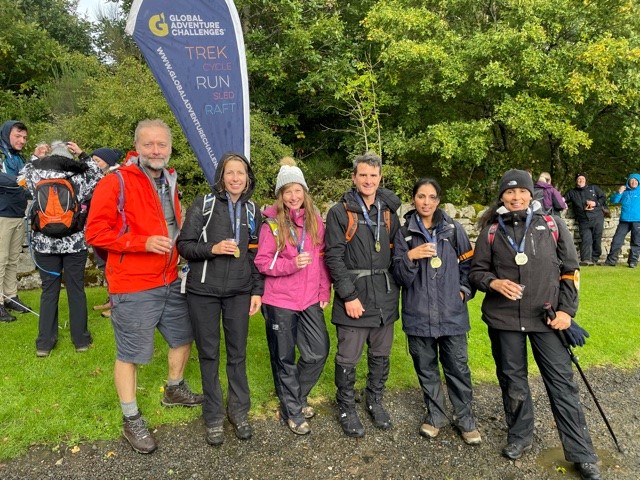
147,164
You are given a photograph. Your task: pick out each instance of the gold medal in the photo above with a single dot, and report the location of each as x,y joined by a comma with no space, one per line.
436,262
237,253
377,246
521,258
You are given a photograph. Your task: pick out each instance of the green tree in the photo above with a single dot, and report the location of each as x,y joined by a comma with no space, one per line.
61,21
476,87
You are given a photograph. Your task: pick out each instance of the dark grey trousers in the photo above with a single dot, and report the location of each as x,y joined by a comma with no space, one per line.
452,352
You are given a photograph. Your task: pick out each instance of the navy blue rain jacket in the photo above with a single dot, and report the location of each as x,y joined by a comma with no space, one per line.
431,303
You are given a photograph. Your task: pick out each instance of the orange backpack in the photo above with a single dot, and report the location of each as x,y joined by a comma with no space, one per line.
56,211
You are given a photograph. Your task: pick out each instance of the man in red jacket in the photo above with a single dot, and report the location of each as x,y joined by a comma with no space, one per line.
142,273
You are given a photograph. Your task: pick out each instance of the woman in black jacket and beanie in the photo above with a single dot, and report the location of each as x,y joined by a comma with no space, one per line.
522,260
219,240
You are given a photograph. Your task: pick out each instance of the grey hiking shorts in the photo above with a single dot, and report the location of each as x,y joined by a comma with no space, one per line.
135,316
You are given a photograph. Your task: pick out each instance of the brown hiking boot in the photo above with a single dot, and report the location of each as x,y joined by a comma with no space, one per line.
180,395
137,434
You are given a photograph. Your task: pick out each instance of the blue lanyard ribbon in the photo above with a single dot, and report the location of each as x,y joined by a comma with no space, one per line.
367,220
292,229
235,219
430,238
517,248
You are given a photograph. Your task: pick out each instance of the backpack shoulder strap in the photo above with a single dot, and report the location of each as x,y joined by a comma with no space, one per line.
251,223
352,223
492,232
120,204
551,223
208,202
250,207
273,225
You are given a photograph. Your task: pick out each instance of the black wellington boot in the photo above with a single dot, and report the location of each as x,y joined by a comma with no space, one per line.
378,374
345,379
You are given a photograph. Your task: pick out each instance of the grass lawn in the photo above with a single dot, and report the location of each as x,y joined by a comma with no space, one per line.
70,397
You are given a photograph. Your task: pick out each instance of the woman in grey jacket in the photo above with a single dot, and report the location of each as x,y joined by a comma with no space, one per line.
518,247
431,262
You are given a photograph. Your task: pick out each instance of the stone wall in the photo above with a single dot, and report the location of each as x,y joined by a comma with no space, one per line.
467,216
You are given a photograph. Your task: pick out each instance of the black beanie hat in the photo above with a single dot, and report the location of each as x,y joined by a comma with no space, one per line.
109,155
581,175
516,179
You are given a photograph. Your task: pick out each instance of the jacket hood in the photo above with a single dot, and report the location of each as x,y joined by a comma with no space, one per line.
61,164
543,185
5,131
218,186
635,176
384,195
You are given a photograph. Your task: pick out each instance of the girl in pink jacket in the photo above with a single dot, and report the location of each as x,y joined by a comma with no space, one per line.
297,289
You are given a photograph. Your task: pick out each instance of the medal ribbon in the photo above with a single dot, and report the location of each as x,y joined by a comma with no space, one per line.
367,220
235,219
517,248
292,229
430,238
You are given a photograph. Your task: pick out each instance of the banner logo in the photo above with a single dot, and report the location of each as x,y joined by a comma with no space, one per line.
158,26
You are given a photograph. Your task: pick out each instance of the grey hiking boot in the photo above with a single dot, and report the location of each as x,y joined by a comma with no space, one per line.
137,434
180,395
215,435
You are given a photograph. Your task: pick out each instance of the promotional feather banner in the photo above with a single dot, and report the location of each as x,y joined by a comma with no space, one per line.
195,50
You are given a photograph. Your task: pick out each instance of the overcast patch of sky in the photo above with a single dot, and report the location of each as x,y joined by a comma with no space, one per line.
91,8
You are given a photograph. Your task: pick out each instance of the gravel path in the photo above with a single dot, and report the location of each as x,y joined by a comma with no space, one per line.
276,453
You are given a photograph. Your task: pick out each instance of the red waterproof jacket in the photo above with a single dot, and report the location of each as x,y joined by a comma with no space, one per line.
130,268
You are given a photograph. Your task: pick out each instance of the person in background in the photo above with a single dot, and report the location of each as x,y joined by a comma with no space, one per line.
629,197
219,239
587,201
431,262
297,289
66,256
551,199
521,261
13,205
142,273
359,235
107,160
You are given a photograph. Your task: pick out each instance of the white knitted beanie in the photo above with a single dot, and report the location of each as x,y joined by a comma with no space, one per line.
289,173
60,149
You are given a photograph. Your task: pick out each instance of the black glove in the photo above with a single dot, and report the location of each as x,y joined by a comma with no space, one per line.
576,335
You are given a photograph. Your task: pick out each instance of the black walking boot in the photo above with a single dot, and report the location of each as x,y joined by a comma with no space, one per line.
6,316
378,374
345,379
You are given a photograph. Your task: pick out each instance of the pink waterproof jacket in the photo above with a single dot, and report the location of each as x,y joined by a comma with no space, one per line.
287,286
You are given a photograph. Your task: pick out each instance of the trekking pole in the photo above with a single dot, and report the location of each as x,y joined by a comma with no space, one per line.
11,300
551,314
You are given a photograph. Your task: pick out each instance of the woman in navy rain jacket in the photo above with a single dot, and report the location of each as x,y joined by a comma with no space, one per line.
431,262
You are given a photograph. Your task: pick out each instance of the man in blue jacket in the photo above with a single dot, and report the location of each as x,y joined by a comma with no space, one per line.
629,197
13,204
